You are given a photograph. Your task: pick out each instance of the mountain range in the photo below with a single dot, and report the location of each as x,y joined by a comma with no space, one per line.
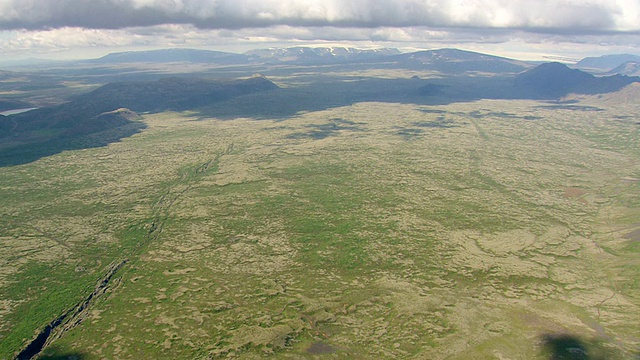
296,55
318,55
443,60
171,55
455,61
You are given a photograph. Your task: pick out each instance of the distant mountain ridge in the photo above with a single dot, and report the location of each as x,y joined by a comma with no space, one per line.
606,62
272,55
444,60
449,60
172,55
301,54
631,68
459,61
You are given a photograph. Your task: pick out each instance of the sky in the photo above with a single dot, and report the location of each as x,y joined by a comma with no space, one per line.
523,29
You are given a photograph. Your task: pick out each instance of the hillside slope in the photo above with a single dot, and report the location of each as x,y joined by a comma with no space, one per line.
554,80
606,62
631,68
28,136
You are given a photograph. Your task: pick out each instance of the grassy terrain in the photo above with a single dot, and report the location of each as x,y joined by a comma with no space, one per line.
491,229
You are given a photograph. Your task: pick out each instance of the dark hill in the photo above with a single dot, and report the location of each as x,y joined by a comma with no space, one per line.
170,94
108,114
554,80
10,104
103,122
454,61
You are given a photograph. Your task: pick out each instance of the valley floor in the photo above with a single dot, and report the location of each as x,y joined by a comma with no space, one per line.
489,229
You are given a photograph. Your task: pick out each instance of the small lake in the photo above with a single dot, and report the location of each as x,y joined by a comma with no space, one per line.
15,111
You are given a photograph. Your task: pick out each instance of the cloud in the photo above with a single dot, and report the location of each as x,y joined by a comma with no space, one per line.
185,35
554,16
66,38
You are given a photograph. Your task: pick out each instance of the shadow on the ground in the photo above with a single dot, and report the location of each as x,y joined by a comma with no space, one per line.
564,346
335,91
64,356
256,98
29,152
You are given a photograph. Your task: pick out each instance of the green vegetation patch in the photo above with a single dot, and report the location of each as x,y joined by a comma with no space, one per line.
326,234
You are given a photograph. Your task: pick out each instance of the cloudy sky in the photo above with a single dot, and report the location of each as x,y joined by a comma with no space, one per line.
527,29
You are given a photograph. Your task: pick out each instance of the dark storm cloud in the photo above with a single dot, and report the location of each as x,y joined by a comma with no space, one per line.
560,16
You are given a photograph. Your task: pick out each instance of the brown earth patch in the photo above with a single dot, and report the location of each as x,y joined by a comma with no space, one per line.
630,179
542,324
321,348
634,236
575,193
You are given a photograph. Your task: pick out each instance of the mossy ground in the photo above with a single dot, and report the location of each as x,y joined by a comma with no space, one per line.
491,229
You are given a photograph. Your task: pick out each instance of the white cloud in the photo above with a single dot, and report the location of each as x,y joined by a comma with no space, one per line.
68,42
43,26
560,16
66,38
